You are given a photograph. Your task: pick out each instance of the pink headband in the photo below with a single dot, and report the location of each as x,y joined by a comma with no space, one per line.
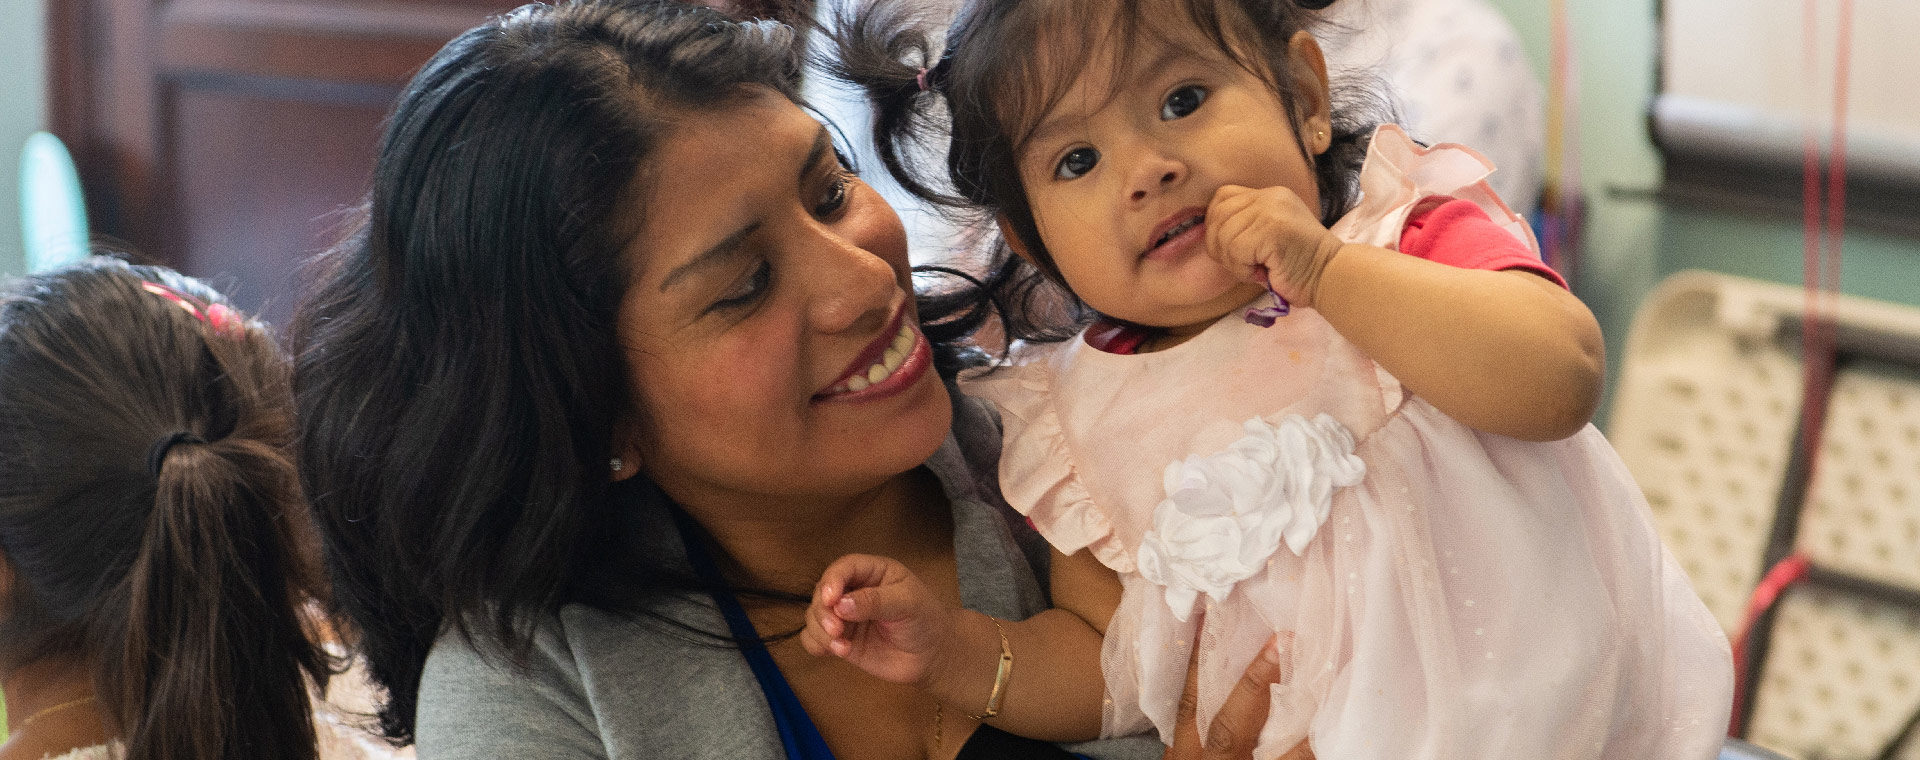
224,321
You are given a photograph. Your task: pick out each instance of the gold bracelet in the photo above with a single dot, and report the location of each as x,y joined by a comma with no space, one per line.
1000,675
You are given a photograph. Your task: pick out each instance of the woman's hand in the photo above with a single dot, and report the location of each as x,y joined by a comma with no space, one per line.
1236,727
1272,237
876,614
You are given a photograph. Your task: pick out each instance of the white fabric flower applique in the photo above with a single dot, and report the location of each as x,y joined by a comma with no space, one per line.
1226,513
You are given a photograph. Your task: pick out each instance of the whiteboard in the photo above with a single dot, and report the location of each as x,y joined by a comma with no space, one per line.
1736,84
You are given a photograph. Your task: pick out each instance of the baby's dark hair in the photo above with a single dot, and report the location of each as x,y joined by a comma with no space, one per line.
1001,69
150,515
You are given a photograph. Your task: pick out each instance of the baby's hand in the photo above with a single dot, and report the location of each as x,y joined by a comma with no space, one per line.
875,613
1271,237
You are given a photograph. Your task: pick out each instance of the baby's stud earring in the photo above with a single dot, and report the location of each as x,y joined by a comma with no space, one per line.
617,464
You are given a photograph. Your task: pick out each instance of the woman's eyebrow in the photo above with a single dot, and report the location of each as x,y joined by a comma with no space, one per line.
822,144
720,252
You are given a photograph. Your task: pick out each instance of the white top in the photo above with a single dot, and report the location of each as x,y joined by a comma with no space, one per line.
343,725
111,751
1459,75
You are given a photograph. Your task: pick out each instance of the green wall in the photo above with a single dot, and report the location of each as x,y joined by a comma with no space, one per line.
22,111
1632,239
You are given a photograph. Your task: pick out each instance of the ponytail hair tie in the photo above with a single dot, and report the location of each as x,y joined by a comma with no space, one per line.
157,455
224,321
929,78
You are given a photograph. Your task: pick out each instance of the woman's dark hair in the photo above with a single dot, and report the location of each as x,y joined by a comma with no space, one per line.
458,372
1004,65
150,513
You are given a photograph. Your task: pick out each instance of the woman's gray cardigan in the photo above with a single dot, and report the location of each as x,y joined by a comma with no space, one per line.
610,688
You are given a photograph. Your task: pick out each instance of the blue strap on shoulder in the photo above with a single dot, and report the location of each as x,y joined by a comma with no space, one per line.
797,732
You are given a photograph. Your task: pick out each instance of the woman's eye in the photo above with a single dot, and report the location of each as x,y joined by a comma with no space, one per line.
746,291
1077,162
1182,101
836,196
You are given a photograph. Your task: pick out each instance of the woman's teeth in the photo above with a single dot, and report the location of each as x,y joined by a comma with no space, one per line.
895,356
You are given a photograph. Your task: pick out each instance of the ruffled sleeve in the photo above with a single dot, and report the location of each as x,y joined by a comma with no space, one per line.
1399,173
1038,475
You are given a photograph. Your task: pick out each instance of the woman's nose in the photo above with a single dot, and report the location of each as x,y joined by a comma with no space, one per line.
1155,174
852,288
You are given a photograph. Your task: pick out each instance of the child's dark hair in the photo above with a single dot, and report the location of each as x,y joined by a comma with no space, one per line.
150,514
1002,68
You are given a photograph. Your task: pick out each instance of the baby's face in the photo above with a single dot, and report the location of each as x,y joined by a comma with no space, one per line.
1120,174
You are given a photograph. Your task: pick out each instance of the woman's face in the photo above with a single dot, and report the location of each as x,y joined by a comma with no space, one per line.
770,326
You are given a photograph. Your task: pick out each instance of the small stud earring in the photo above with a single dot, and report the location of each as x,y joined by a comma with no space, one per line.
617,464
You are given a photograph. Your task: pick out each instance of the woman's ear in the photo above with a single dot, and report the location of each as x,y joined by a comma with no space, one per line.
625,462
623,466
1315,103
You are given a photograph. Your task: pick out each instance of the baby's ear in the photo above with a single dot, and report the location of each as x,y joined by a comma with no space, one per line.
1316,103
1014,243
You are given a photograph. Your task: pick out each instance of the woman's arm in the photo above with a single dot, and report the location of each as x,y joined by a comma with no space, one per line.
1053,689
872,612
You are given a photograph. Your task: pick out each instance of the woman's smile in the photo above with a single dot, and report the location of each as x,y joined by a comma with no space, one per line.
894,361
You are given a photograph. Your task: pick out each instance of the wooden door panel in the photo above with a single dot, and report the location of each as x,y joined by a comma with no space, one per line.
329,42
262,184
225,137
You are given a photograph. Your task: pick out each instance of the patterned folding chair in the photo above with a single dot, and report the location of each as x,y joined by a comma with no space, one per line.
1813,562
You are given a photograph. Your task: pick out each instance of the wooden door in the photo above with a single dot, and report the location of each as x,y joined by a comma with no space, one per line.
227,137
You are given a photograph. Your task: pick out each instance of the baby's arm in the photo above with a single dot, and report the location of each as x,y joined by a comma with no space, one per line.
1503,352
874,613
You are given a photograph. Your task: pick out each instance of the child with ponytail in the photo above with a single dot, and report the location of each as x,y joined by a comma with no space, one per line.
156,565
1326,407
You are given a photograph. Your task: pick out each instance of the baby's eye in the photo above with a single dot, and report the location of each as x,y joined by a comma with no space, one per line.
1077,162
1182,101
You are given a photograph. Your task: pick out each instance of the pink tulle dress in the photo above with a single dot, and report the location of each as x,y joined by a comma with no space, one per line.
1438,592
